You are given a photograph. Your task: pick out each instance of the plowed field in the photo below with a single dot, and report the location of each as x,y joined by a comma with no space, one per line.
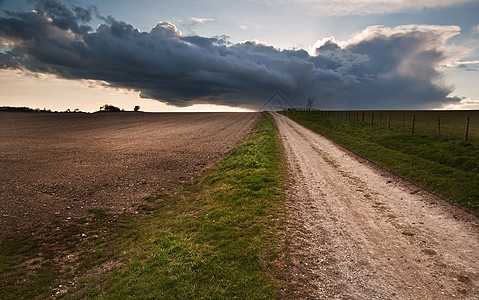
61,166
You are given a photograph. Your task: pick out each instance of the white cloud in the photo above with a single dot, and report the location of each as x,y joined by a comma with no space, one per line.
444,31
322,42
202,20
469,65
364,7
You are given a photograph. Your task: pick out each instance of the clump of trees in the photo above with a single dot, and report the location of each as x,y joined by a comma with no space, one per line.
28,109
22,109
76,110
109,108
112,108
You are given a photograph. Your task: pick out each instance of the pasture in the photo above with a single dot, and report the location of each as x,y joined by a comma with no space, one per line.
442,124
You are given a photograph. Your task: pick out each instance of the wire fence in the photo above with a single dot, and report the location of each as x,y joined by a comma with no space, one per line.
450,125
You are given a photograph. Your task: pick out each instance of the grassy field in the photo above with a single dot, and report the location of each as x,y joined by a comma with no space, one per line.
445,165
221,237
452,124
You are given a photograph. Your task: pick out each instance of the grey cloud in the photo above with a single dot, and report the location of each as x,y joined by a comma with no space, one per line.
64,18
384,70
191,24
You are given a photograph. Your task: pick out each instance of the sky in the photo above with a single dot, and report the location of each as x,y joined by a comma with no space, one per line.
212,55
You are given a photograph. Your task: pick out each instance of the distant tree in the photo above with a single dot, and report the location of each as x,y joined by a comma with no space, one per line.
310,103
23,109
137,108
109,108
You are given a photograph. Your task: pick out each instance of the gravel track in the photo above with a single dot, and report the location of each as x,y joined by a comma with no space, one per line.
60,166
356,231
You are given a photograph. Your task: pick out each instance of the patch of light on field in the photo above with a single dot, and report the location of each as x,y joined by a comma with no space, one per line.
46,91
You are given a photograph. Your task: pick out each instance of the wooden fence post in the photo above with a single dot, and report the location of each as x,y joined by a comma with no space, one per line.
389,122
381,120
438,126
403,119
362,118
413,123
467,129
372,119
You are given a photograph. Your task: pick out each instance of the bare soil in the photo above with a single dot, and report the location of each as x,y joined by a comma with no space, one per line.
356,231
61,166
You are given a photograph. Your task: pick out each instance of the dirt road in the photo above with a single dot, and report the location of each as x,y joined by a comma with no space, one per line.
60,166
359,232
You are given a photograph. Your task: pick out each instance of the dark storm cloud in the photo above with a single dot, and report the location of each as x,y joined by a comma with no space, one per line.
381,68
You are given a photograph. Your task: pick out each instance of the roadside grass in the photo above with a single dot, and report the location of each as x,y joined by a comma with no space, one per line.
221,236
41,264
452,123
448,167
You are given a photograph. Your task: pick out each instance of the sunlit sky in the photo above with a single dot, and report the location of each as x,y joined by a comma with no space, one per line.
282,24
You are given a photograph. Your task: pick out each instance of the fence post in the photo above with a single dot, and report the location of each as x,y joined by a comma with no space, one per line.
362,118
381,120
372,119
467,129
403,119
413,123
438,126
389,122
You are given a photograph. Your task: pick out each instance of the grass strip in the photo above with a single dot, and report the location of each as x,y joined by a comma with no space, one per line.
448,167
221,237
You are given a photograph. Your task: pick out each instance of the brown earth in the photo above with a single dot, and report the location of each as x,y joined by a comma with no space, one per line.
61,166
356,231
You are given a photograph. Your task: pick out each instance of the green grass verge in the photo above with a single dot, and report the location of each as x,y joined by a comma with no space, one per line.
450,168
42,264
452,122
